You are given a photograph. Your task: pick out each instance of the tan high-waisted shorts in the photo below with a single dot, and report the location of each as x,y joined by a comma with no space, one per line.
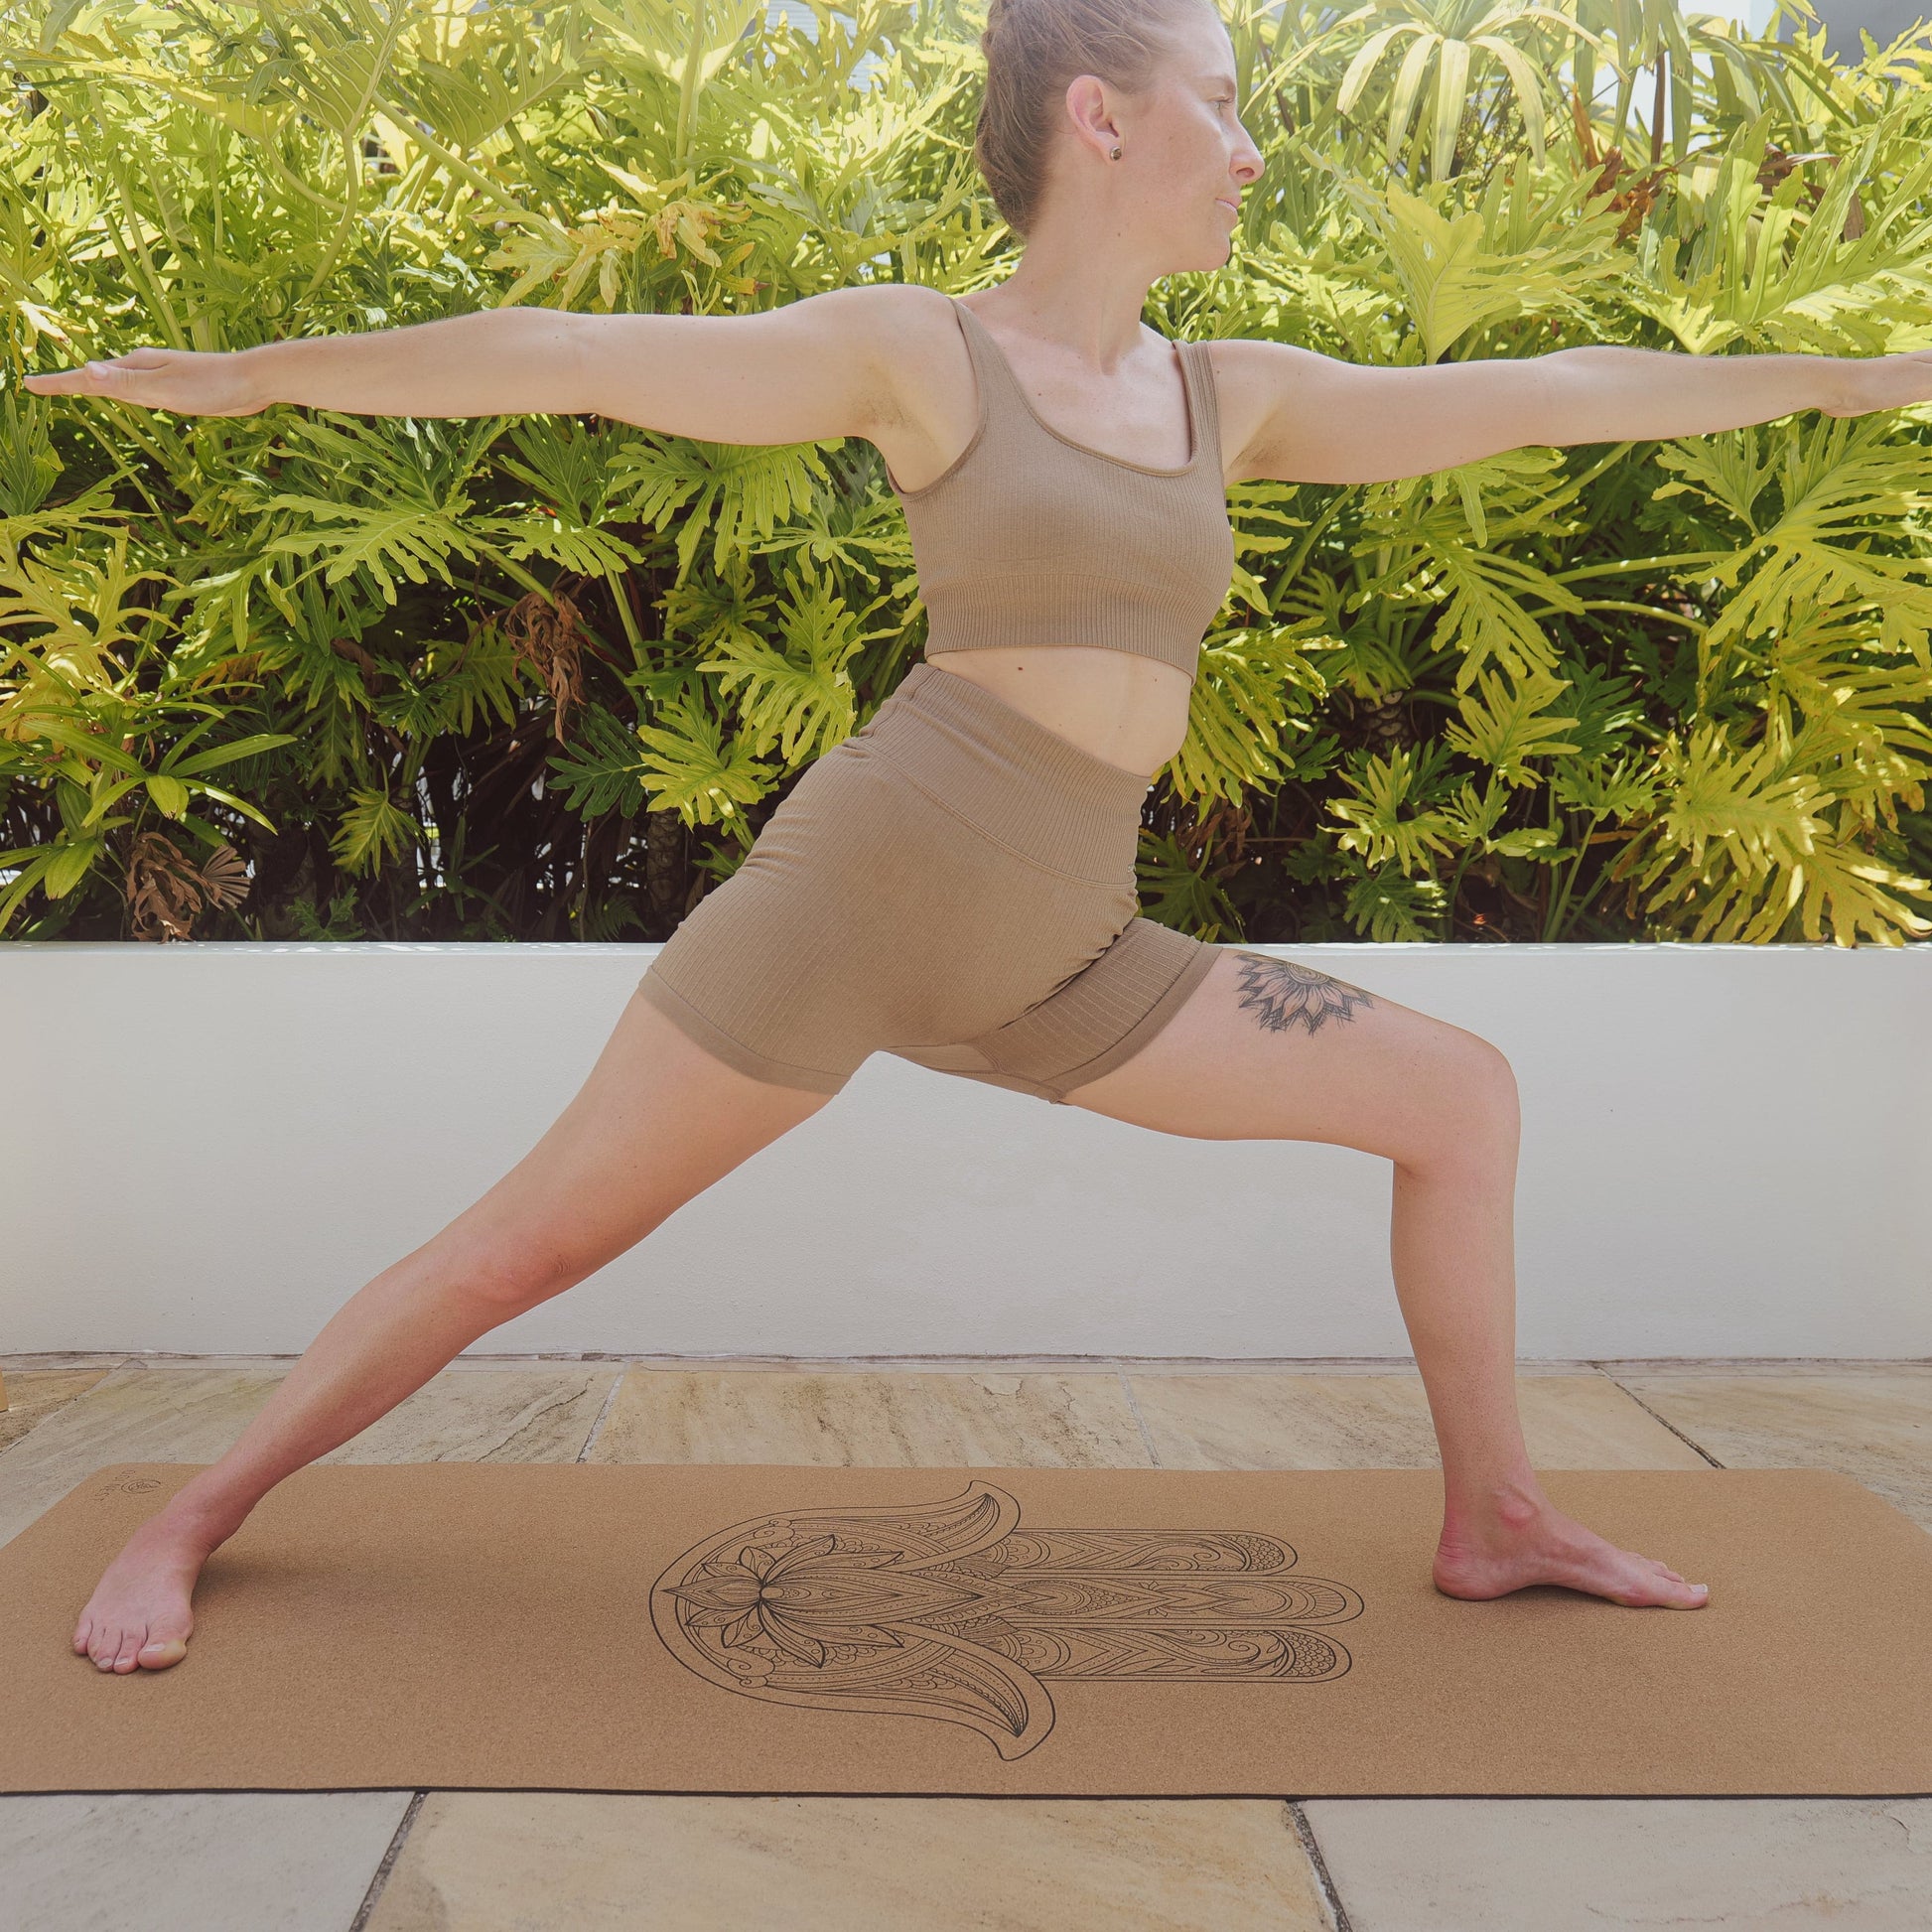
952,883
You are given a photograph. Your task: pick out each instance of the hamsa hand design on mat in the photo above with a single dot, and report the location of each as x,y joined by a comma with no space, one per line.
955,1612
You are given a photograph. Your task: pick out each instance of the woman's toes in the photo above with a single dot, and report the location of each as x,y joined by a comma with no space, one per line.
104,1648
81,1631
160,1652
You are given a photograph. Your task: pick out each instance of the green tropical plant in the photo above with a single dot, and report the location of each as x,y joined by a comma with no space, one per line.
313,675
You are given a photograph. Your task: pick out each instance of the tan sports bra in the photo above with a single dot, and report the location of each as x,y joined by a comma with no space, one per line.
1030,538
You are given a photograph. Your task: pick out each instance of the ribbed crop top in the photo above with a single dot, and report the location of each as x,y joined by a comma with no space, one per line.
1030,538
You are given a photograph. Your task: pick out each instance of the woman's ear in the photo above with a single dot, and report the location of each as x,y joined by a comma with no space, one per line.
1091,112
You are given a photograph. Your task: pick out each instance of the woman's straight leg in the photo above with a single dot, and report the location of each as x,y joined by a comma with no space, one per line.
657,1121
1269,1049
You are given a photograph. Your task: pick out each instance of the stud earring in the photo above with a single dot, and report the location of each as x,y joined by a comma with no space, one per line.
1115,156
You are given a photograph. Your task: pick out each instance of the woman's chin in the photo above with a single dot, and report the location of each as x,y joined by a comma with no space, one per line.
1217,254
1207,256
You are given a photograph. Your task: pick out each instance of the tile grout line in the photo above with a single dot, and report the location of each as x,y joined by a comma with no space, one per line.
1324,1877
596,1427
1664,1421
388,1863
542,1409
1147,1434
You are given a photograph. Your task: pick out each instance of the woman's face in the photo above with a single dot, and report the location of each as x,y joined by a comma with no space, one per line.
1186,158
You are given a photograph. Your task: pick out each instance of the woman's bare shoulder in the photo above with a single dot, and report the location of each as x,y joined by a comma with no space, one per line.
904,336
920,384
890,315
1264,386
918,400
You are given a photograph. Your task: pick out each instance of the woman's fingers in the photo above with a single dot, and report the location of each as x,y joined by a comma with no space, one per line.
64,382
131,378
91,379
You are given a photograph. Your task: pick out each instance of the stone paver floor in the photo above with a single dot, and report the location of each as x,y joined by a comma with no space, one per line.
510,1861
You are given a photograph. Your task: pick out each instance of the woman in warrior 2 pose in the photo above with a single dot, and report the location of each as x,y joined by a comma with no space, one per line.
954,882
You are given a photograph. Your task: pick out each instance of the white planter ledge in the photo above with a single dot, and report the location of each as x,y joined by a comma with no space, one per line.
207,1147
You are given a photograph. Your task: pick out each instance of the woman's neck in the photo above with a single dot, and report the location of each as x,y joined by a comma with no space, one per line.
1078,298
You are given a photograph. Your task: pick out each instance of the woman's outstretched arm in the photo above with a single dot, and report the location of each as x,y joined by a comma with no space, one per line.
809,369
1309,418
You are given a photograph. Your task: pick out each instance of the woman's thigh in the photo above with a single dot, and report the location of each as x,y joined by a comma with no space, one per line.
656,1121
1267,1048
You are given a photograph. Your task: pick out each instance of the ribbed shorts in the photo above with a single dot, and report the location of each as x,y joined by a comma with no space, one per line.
954,884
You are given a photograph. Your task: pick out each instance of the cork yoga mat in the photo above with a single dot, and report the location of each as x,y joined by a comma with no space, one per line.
976,1632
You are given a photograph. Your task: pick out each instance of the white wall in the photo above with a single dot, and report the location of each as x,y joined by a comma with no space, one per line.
207,1147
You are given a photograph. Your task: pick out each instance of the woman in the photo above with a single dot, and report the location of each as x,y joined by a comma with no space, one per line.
954,882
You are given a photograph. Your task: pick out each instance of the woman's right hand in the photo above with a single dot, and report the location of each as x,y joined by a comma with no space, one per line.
184,381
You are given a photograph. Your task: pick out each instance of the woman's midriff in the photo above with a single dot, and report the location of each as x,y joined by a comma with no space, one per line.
1129,710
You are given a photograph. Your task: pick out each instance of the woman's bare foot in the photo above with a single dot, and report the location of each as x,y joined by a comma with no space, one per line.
138,1617
1521,1543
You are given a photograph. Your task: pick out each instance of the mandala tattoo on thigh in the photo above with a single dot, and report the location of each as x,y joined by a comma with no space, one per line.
1284,993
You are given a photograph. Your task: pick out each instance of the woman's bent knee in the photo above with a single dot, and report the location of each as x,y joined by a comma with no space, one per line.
1492,1081
1470,1110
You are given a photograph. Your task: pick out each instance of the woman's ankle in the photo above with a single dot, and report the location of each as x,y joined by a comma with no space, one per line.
1506,1506
199,1523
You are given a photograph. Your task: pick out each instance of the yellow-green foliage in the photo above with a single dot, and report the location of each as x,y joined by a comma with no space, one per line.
546,677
